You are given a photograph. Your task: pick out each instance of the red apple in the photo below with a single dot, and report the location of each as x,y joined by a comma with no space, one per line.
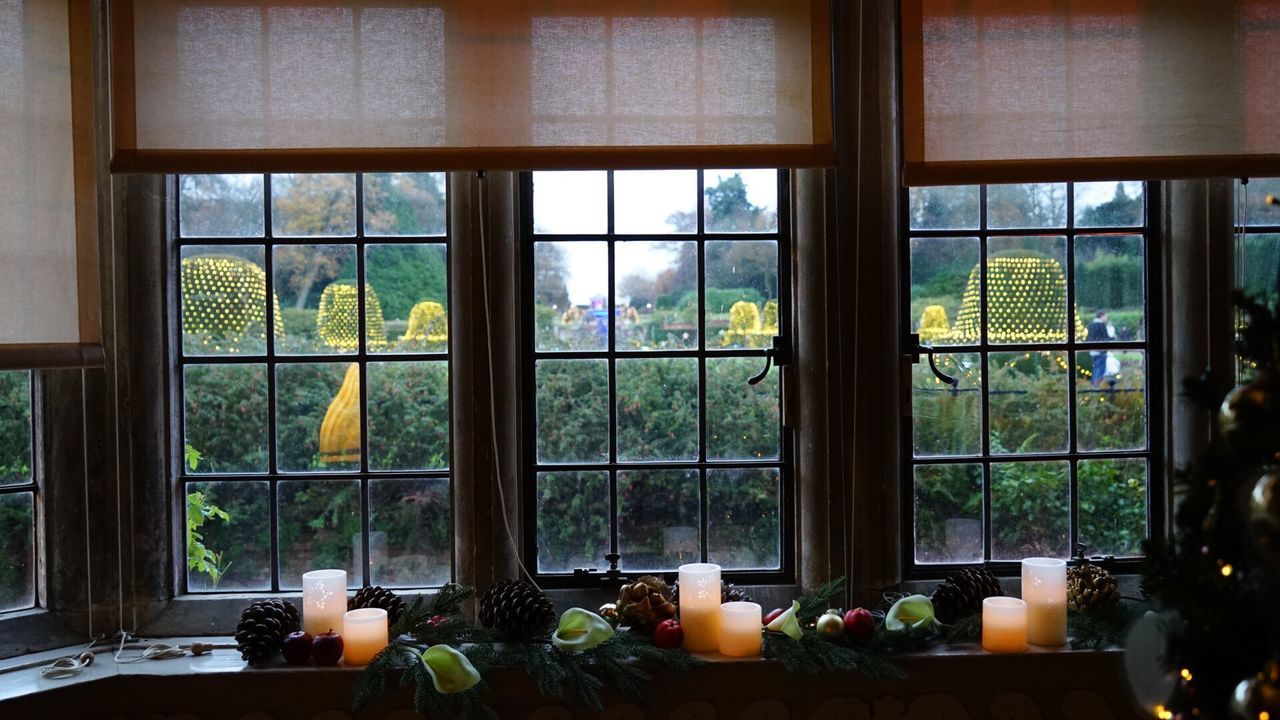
668,635
297,647
326,649
773,615
859,622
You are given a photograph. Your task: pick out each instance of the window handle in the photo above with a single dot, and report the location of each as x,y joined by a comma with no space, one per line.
917,348
779,354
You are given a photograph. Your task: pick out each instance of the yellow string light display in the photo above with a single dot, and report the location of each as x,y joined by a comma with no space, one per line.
338,320
427,321
1026,302
224,302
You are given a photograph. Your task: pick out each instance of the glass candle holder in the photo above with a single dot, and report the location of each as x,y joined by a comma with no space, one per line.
741,632
700,606
1004,625
1044,588
364,635
324,600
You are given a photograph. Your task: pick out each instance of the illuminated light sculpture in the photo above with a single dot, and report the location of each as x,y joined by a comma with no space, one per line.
769,319
340,431
748,328
1026,301
427,321
224,302
934,325
338,320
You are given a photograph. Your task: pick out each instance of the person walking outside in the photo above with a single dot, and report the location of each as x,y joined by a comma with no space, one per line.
1097,332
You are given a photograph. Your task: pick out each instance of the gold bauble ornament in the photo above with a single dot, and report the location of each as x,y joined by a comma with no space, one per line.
609,611
1258,694
1247,416
1264,518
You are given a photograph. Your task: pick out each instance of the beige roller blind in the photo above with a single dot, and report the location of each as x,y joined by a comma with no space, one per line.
1023,90
225,86
49,306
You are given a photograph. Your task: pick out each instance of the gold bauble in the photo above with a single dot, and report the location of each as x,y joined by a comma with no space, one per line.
609,611
1248,412
1258,694
1264,518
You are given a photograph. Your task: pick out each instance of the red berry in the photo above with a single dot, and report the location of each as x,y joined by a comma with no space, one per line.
327,648
773,615
860,623
296,647
668,635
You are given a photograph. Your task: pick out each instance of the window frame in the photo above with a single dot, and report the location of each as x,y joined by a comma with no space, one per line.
34,486
786,574
1152,345
181,477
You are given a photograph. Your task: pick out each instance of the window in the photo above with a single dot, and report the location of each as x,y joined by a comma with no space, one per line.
652,298
313,379
18,494
1257,266
1032,435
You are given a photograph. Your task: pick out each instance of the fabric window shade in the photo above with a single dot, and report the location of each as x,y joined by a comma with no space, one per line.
224,86
51,316
1034,90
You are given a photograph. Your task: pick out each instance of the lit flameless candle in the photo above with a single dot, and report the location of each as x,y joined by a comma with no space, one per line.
740,629
324,600
364,634
700,606
1044,588
1004,625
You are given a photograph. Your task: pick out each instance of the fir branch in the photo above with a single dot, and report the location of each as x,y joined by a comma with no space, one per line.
373,680
909,639
964,630
448,600
817,602
813,654
1101,628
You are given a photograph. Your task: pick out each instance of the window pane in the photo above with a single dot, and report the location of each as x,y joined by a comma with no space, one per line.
319,527
655,202
573,410
657,295
408,415
17,551
228,536
1108,204
946,281
1257,210
744,509
1113,506
571,295
948,207
410,284
409,533
947,420
740,201
1027,290
573,521
313,205
318,417
15,427
225,414
1111,400
742,293
1028,401
1110,287
224,301
570,203
1029,205
657,519
657,409
948,513
1030,510
742,419
1259,264
220,205
315,284
404,204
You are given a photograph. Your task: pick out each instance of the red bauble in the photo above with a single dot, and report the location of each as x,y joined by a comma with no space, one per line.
859,622
773,615
435,621
326,649
668,635
296,647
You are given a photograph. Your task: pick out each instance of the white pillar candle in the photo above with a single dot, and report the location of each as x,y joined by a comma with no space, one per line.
740,629
364,634
324,599
700,606
1044,588
1004,625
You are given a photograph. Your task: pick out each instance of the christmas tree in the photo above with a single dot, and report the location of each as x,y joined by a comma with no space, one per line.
1216,580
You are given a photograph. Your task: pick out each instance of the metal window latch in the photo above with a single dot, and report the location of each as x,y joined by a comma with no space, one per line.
916,348
779,355
612,577
1104,561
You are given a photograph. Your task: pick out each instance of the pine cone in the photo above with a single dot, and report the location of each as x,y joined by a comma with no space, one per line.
962,593
645,603
1090,587
728,593
263,627
517,609
378,597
